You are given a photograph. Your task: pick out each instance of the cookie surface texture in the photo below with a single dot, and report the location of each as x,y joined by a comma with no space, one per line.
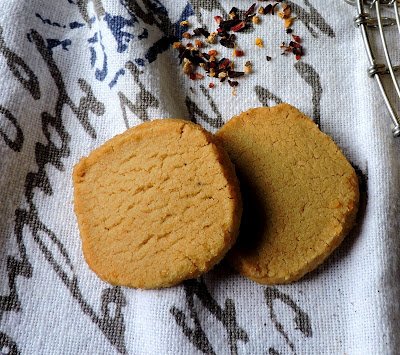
300,194
156,205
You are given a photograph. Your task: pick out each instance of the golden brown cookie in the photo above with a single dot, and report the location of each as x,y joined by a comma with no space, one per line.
156,205
300,194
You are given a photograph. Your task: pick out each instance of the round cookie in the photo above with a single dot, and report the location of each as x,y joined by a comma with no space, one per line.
156,205
300,194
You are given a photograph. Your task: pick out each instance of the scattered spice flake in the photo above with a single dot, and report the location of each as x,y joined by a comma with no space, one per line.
298,56
261,10
289,31
223,63
294,44
268,9
233,83
238,53
198,43
212,52
192,76
240,26
189,45
273,8
199,76
296,38
289,22
211,85
268,58
259,42
228,42
212,38
256,20
222,75
187,66
218,19
235,74
250,10
286,10
226,25
184,23
201,32
177,45
186,35
233,13
248,67
297,51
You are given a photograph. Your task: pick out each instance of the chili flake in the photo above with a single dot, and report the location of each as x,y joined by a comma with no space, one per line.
212,38
184,23
248,67
259,42
288,22
211,85
238,53
256,20
198,43
187,66
233,83
218,19
238,26
296,38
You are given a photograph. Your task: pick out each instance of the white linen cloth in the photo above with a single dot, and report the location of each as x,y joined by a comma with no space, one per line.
74,73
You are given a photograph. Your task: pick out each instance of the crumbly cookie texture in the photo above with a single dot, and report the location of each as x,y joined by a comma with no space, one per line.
300,194
156,205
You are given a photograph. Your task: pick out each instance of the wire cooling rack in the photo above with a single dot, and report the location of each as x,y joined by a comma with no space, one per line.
371,21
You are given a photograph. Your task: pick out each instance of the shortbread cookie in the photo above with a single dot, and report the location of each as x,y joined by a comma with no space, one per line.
300,194
156,205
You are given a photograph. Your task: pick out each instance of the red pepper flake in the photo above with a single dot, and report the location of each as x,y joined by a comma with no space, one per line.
235,74
273,8
211,85
233,83
192,76
198,43
224,63
239,26
218,19
298,57
294,44
289,30
250,10
233,13
296,38
268,58
212,52
268,8
238,53
199,76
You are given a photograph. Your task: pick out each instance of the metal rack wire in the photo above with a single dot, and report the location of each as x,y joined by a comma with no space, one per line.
368,21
